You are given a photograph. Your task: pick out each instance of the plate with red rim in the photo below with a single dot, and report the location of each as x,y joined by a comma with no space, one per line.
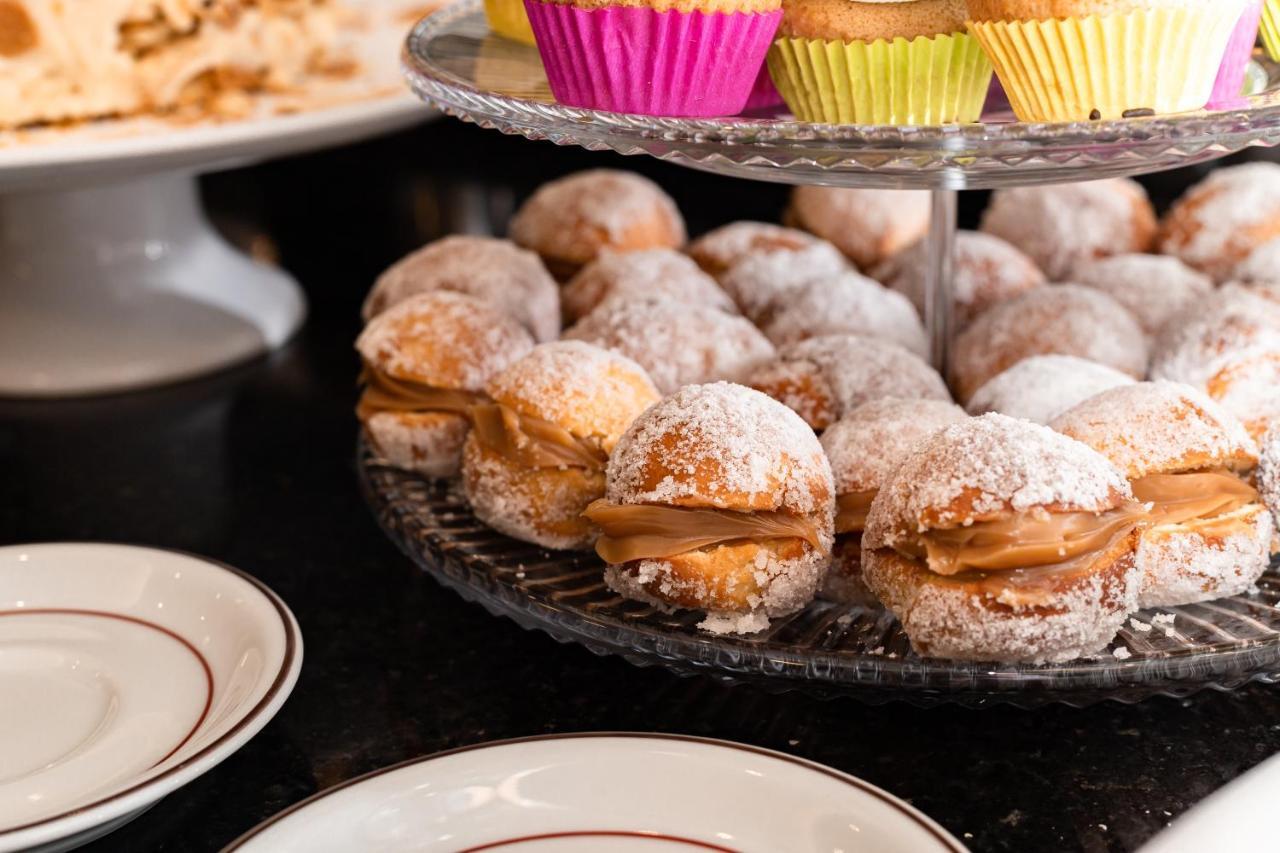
602,791
125,673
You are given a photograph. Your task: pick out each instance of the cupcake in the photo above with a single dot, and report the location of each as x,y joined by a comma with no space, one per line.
847,62
508,18
1082,60
654,57
1228,87
1270,28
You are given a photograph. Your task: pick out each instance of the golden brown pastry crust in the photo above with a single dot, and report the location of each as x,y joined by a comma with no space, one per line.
1043,10
848,20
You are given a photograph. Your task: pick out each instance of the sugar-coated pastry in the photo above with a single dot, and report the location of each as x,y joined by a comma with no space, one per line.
536,456
719,499
865,447
849,303
498,271
572,220
1065,319
1061,225
718,250
644,274
1227,345
677,344
1191,461
869,226
823,379
1261,267
1153,288
426,361
1222,219
1269,477
761,282
985,270
1002,540
1041,387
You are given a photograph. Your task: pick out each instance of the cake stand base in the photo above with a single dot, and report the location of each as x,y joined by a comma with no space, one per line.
125,286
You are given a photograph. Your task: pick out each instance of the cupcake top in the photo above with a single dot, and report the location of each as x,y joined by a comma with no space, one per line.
1040,388
494,270
718,250
1062,225
678,344
869,226
825,378
722,446
1154,288
571,220
1222,219
1160,428
988,469
643,274
760,282
849,303
1044,10
444,340
985,270
1065,319
872,20
867,445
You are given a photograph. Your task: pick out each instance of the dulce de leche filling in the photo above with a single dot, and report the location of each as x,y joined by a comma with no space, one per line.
383,393
533,442
1179,498
852,509
647,532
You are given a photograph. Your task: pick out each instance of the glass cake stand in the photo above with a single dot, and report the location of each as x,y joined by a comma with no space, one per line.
452,61
826,649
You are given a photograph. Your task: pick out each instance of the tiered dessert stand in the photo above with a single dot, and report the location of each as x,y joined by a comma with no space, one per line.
455,63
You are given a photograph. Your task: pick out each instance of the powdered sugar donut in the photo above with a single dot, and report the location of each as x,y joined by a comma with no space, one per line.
1001,540
644,274
1041,387
868,225
572,220
1063,225
1065,319
426,361
1191,462
494,270
986,270
760,282
851,304
718,250
1222,219
1269,476
677,344
1261,267
1153,288
825,378
719,499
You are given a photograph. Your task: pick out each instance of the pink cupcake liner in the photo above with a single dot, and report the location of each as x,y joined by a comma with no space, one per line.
1230,81
764,95
633,60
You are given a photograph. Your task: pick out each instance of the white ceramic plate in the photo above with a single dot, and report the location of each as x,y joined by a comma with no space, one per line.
124,674
617,792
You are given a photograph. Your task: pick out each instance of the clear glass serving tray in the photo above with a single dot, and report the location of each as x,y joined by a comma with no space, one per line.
453,61
826,649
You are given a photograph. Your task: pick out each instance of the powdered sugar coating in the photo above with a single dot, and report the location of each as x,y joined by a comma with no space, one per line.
985,468
444,339
498,271
1065,319
1153,288
1062,225
986,270
849,303
1181,564
430,443
868,225
1220,220
824,378
867,445
1040,388
1158,428
721,445
761,281
1269,473
1261,266
645,274
720,249
677,344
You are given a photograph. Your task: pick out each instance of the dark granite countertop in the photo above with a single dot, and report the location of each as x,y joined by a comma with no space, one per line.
254,467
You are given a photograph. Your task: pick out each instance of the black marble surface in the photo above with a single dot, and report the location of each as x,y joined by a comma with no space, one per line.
254,467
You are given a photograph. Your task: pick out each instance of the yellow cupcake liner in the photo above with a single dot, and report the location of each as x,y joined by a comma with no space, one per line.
508,18
1103,66
938,80
1270,28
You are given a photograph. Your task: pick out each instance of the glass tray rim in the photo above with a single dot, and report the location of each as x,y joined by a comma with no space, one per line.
874,678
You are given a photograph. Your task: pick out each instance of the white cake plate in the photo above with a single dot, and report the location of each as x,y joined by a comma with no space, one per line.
111,278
